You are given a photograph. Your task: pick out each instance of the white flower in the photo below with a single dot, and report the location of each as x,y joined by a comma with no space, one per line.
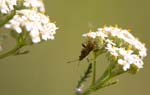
110,42
49,34
6,6
127,34
128,51
90,35
124,63
34,22
36,4
35,35
124,52
130,59
107,29
112,49
101,34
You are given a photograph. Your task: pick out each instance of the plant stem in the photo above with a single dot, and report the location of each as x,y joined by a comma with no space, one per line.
101,82
20,42
11,52
96,84
87,92
94,70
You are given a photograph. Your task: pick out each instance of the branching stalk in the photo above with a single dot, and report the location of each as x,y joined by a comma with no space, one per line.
94,69
20,42
104,80
11,52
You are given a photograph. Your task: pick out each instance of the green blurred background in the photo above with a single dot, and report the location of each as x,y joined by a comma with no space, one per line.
45,71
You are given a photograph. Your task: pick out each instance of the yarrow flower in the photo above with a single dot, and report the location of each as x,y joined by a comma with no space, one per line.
30,17
121,44
37,24
6,6
35,4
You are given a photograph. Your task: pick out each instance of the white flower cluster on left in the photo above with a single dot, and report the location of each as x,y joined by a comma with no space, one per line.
122,45
31,18
37,24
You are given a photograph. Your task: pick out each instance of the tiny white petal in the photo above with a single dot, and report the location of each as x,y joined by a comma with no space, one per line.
90,34
18,29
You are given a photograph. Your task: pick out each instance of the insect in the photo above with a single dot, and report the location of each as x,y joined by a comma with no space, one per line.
87,48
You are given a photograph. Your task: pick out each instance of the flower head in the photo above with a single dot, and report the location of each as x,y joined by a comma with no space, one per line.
121,44
37,24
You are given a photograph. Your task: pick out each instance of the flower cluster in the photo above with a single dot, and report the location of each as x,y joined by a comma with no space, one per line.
121,44
31,18
37,24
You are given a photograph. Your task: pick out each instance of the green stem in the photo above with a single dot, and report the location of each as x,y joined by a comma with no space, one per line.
20,42
106,74
101,82
87,92
11,52
94,70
